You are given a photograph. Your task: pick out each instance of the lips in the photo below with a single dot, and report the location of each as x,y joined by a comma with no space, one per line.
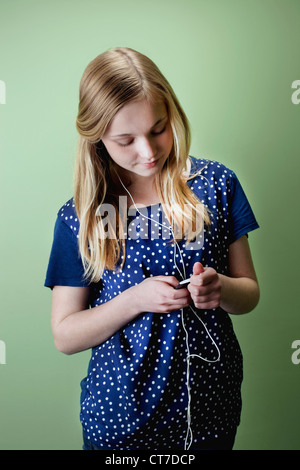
150,164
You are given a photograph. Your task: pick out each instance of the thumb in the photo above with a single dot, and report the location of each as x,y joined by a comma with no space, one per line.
198,268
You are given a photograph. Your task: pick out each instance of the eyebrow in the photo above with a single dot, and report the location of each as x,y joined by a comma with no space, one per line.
154,125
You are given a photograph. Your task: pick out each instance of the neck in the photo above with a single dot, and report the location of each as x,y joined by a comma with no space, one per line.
141,191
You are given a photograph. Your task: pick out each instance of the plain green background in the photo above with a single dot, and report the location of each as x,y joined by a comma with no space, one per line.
231,63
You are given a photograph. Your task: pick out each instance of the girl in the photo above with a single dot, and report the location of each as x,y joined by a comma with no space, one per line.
166,368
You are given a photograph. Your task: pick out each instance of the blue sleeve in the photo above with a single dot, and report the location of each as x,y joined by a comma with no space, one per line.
241,219
65,266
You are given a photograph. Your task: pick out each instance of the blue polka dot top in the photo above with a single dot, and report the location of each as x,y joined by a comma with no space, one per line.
162,377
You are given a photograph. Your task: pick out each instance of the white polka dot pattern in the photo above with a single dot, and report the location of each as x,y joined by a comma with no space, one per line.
135,394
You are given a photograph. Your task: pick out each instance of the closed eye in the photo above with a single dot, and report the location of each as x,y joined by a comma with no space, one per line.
160,131
125,144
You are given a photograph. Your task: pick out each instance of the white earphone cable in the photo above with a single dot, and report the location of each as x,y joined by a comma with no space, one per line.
189,433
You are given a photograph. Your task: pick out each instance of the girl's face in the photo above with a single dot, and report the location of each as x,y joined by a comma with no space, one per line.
139,139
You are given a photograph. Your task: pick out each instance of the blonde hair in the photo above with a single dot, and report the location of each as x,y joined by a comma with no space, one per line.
111,80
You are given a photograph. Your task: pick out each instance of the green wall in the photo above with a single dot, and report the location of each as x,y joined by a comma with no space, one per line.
232,64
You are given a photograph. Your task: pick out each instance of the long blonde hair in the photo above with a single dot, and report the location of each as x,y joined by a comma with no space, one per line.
111,80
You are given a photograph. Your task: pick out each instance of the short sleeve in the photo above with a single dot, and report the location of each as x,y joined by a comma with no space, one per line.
241,216
65,266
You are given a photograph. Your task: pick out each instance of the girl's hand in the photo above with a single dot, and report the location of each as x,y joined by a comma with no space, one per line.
157,294
205,287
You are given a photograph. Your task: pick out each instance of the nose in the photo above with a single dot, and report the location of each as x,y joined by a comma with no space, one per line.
146,149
